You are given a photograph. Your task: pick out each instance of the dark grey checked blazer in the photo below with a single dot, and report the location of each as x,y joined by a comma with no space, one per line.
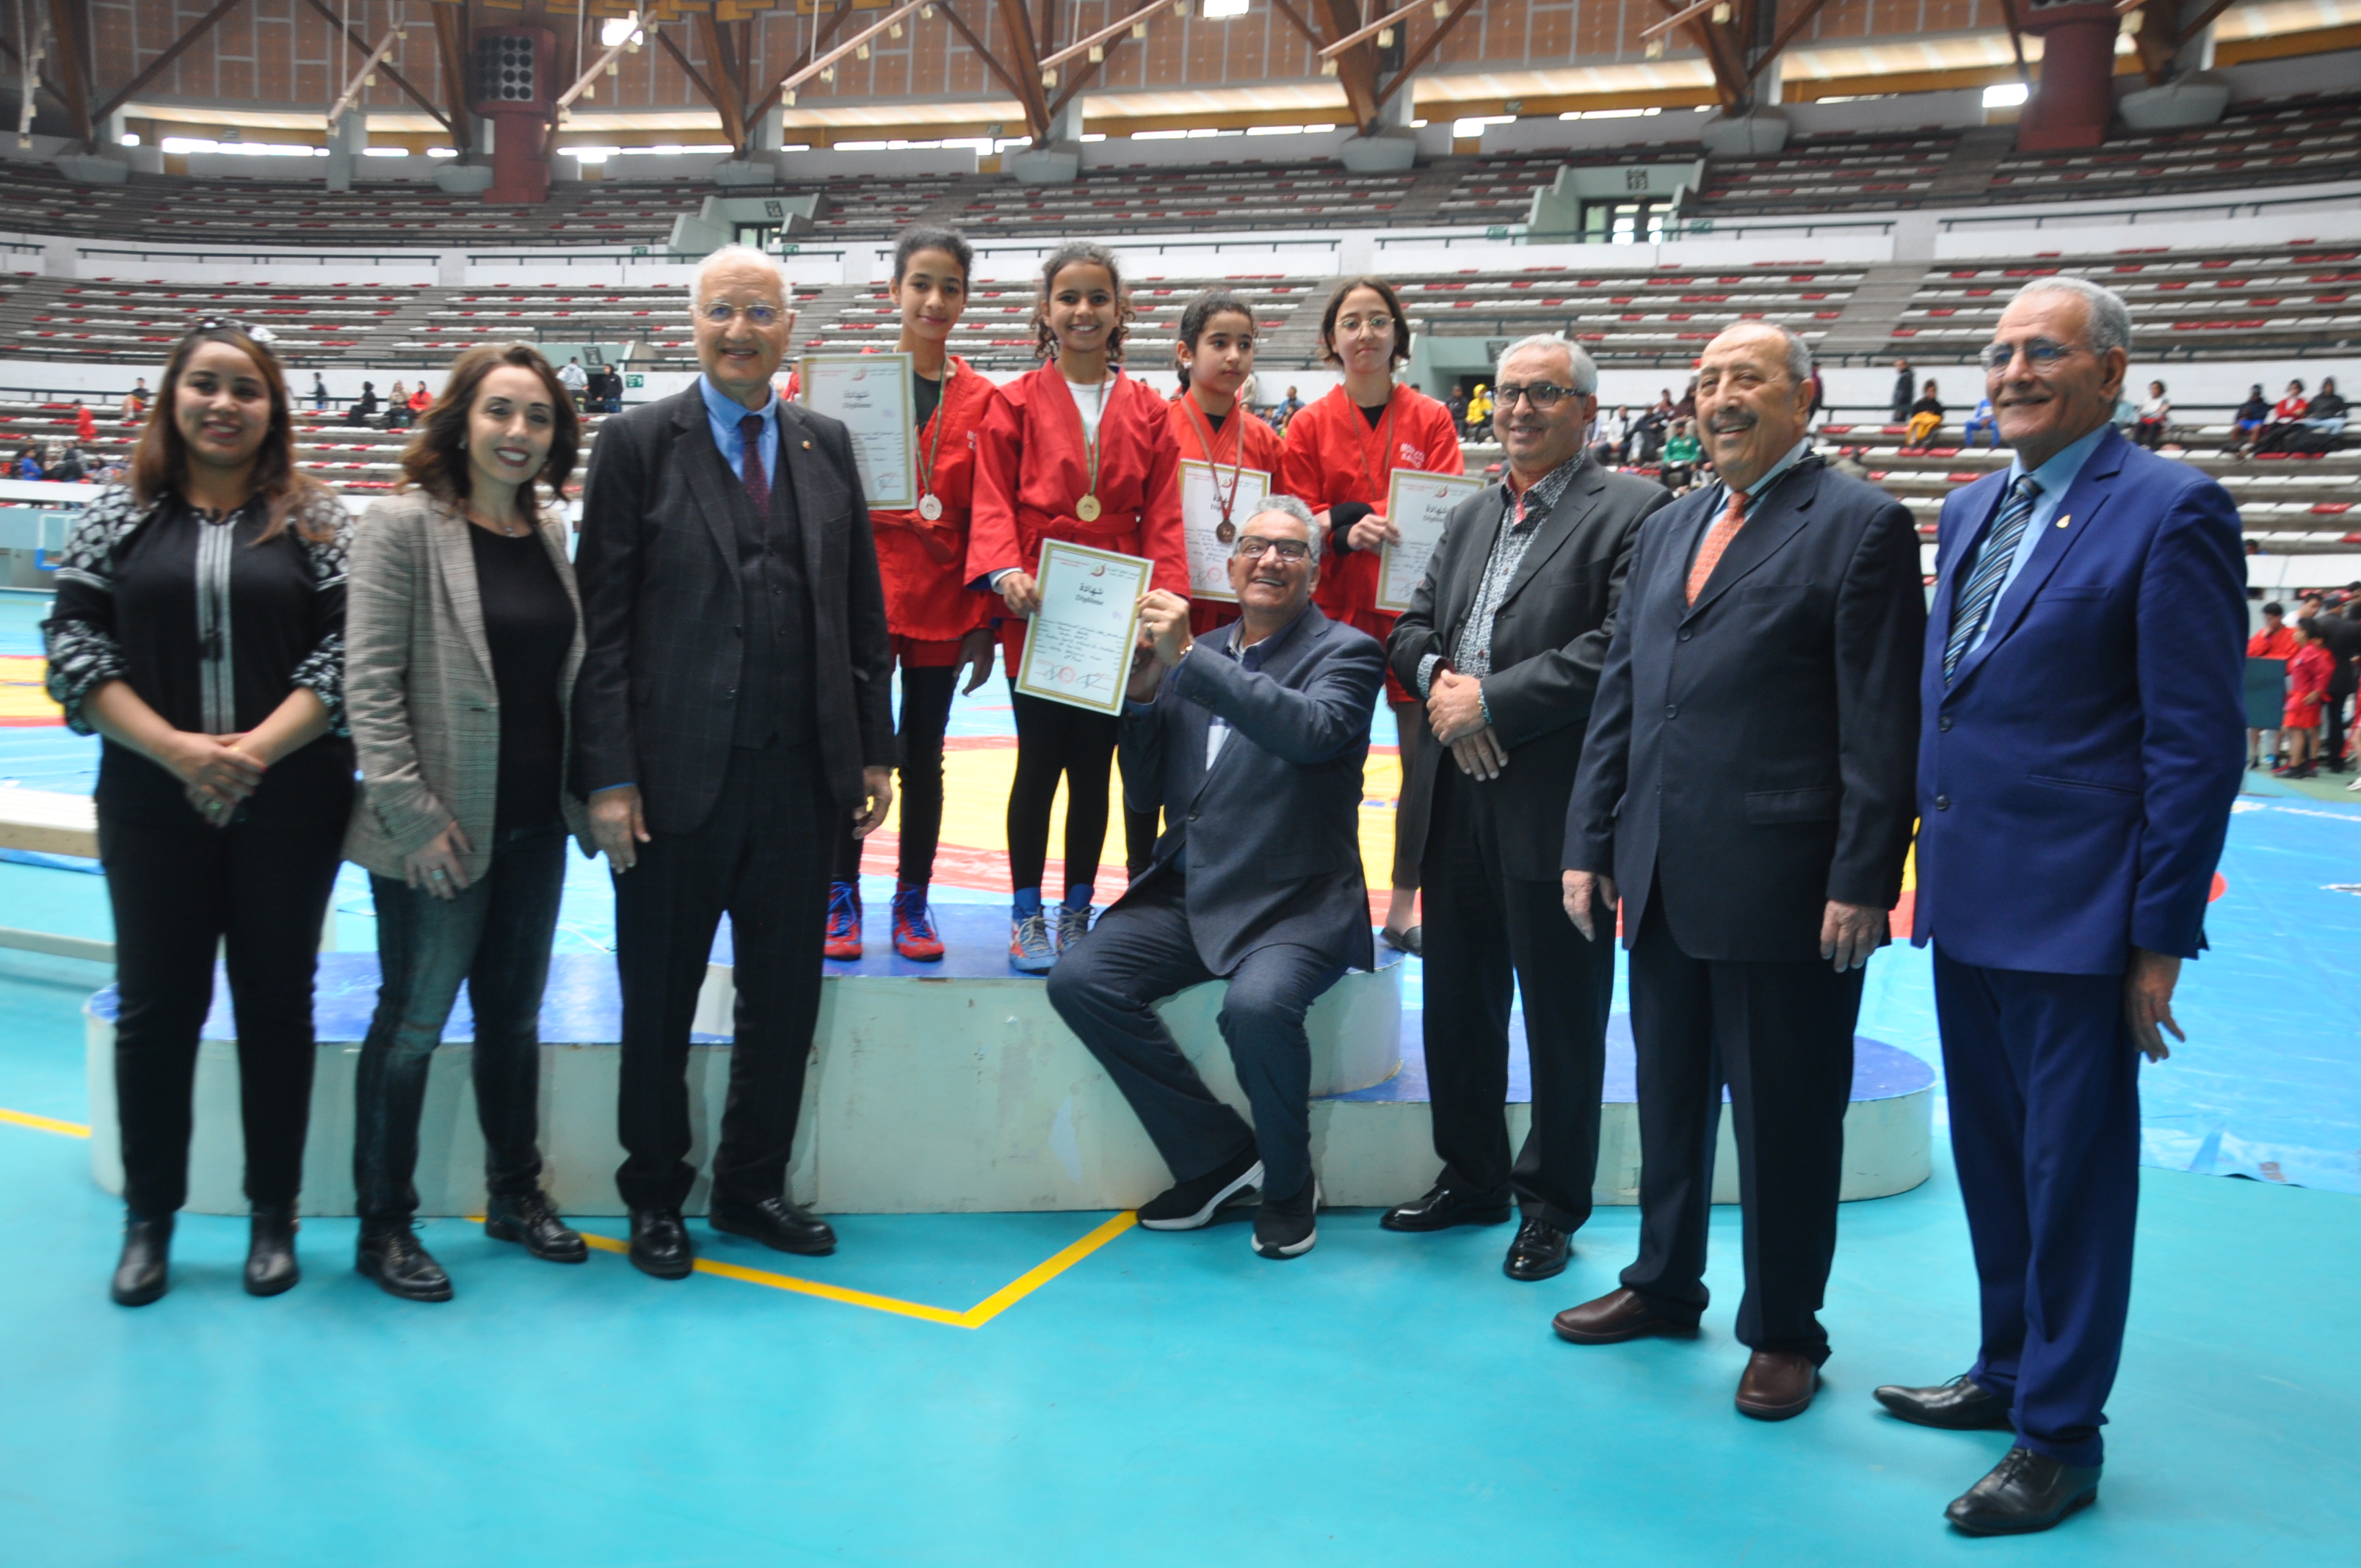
655,702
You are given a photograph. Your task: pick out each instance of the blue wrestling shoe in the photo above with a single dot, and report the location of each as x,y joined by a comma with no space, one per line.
1029,951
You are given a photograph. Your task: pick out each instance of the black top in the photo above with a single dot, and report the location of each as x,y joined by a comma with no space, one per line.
211,626
529,626
926,396
1374,414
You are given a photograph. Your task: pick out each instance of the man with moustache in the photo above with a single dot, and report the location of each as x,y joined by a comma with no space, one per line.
1250,739
1746,788
734,697
1504,640
2077,765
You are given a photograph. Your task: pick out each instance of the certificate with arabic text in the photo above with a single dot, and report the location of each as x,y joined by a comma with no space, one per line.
871,394
1078,645
1208,533
1419,504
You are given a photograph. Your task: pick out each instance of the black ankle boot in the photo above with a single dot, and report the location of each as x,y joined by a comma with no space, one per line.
147,1250
397,1263
270,1252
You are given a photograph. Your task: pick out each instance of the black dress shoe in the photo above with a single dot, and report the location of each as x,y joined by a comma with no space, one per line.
1444,1206
147,1251
660,1243
1960,1405
270,1252
402,1265
1187,1205
529,1219
1539,1252
2025,1492
780,1224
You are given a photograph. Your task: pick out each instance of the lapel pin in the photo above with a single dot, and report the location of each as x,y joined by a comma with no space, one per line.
2061,521
808,446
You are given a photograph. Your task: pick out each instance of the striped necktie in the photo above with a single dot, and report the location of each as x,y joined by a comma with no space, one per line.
757,483
1716,540
1975,600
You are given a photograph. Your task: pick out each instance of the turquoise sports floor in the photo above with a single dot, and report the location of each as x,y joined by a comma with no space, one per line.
1172,1399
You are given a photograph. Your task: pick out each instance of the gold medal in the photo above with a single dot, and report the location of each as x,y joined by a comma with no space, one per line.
930,507
1087,508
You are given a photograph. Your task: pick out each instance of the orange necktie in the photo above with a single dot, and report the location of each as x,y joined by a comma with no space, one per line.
1716,540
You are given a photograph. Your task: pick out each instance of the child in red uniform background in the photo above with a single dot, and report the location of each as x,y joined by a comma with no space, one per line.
939,626
1075,437
2308,671
1339,458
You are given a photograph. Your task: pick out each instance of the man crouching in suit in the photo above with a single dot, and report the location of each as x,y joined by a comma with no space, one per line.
1251,739
1746,779
2078,761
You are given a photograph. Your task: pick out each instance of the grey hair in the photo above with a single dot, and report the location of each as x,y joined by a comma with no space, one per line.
1291,506
2109,319
1585,371
1798,353
733,254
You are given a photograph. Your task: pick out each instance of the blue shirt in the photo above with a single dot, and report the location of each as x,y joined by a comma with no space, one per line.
724,412
2055,478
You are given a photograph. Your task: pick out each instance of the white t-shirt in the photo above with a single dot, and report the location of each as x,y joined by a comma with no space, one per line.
1089,397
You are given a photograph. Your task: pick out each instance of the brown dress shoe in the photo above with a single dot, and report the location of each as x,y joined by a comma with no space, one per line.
1615,1316
1778,1383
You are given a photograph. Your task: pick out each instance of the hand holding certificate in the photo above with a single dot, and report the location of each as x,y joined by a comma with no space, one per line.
871,394
1419,505
1215,504
1078,645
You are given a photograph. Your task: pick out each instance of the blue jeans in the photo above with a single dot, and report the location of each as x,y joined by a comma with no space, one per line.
1991,429
495,935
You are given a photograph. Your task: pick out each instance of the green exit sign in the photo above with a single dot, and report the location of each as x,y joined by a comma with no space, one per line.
635,380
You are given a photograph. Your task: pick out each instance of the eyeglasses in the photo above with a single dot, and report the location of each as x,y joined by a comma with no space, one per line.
2044,354
1542,395
720,312
1253,547
1372,326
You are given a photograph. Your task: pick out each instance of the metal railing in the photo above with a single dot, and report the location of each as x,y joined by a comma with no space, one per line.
252,257
2131,217
640,255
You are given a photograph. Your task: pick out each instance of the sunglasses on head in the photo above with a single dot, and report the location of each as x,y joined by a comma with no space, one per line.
261,335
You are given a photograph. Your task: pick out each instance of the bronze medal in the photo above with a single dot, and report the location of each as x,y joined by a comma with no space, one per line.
1087,508
930,507
1225,530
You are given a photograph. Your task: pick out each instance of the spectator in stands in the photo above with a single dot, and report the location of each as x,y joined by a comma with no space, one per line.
420,399
2249,420
199,628
135,402
1265,890
1686,408
2290,409
463,826
2154,418
1340,457
1480,414
2341,637
27,463
576,380
2309,672
1647,435
1289,407
1613,429
85,427
397,408
2325,413
1682,450
2277,639
1901,391
1457,403
1925,418
365,407
1982,419
939,626
68,467
319,391
730,704
610,390
1076,451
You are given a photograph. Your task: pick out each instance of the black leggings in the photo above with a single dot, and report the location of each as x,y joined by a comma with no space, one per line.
179,893
1054,740
926,714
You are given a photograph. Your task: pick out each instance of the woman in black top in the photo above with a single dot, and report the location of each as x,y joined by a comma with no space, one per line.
199,627
465,637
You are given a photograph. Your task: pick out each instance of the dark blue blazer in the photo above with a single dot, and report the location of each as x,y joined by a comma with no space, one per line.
2075,777
1273,829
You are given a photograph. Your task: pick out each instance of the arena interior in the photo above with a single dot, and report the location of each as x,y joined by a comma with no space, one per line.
997,1367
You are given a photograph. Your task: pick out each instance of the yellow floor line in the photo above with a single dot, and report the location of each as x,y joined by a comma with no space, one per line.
44,1124
975,1317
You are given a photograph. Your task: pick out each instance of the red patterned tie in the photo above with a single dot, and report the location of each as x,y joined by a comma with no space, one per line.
1716,540
758,484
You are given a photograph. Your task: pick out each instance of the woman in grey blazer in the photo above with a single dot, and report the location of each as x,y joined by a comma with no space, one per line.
464,632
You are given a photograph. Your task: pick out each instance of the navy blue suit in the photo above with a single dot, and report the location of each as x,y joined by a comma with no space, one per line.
2075,778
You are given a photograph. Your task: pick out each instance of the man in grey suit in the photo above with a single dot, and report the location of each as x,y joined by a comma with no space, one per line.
1251,740
1504,640
734,698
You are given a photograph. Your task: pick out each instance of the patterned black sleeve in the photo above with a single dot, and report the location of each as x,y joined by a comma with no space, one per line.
323,669
78,635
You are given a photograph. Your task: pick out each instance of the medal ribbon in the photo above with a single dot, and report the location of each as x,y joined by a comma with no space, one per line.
1224,499
1090,440
942,401
1385,446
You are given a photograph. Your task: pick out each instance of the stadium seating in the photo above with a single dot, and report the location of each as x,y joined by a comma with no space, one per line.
2272,143
1828,174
